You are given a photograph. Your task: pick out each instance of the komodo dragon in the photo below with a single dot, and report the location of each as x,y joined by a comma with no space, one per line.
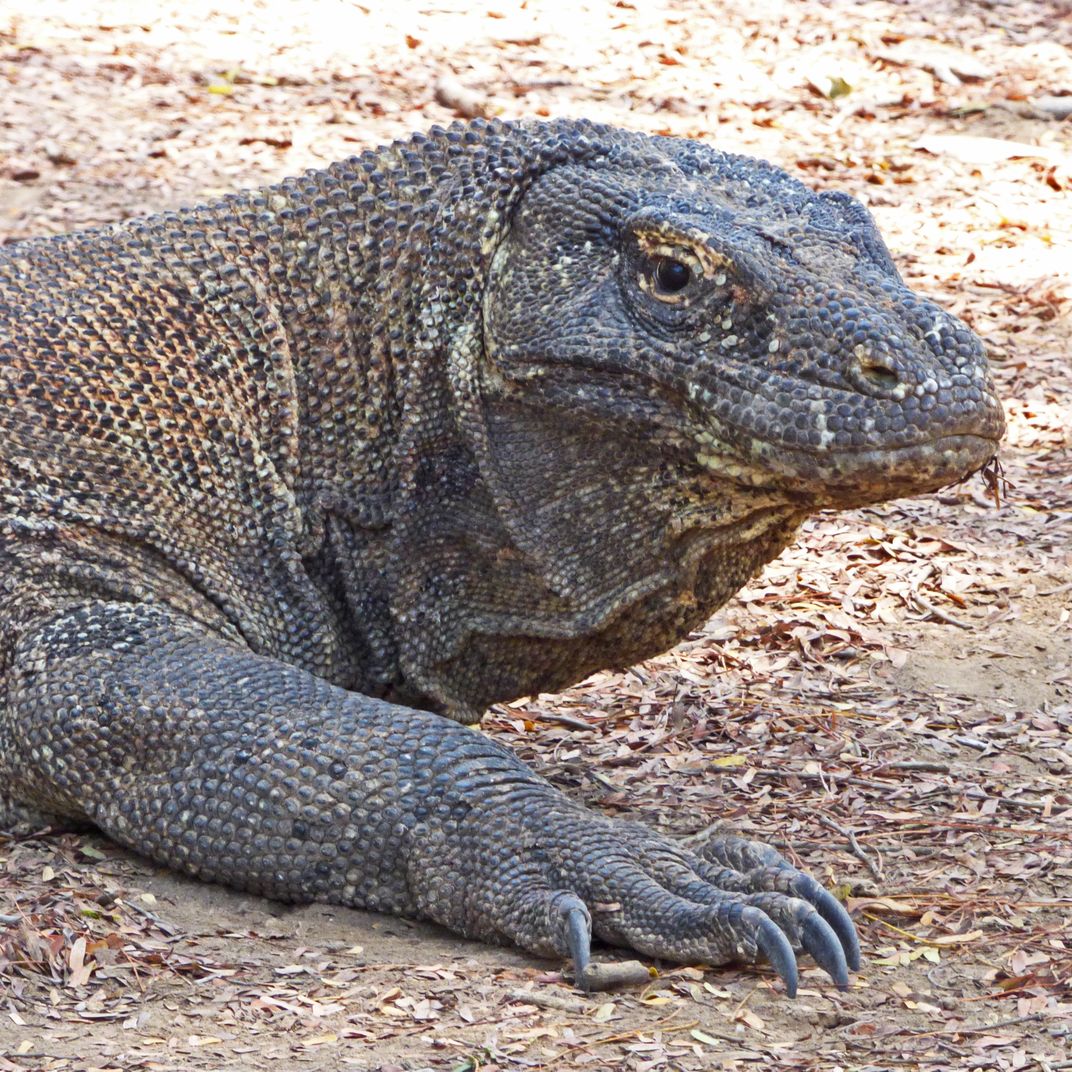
295,484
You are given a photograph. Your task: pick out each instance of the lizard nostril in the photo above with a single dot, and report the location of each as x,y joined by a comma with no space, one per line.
879,375
876,370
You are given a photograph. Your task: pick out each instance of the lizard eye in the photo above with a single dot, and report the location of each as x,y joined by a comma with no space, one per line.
669,275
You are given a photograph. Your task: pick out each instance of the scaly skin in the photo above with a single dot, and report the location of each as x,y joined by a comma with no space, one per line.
294,484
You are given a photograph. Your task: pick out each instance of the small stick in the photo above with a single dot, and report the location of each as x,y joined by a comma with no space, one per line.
614,974
914,765
555,716
1054,592
935,612
543,999
854,845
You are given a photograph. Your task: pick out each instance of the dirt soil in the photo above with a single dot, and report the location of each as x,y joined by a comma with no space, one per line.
890,701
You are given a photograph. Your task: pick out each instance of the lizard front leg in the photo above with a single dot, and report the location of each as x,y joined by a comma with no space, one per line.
243,770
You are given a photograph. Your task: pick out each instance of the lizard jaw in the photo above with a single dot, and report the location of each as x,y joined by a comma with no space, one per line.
849,477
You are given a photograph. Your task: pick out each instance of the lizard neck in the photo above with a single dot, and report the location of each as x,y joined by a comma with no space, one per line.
378,267
374,265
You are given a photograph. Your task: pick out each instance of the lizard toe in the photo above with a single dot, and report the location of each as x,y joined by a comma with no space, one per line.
833,912
576,922
775,947
752,867
801,924
821,941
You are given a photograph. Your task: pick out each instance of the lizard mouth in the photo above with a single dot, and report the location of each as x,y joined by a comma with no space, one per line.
811,476
856,476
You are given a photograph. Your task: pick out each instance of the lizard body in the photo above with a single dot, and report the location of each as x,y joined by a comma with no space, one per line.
295,483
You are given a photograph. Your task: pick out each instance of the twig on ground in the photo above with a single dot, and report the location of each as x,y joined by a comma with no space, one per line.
925,765
854,845
546,1000
936,612
557,716
614,974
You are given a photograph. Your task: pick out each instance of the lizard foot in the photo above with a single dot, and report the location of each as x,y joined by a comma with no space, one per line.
751,866
572,876
684,907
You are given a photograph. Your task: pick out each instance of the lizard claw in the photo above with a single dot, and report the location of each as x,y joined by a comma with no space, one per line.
823,943
833,911
774,945
579,939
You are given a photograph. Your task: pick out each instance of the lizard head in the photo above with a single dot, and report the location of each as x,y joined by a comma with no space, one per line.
714,305
678,356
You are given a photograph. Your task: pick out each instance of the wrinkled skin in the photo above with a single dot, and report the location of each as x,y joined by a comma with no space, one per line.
294,484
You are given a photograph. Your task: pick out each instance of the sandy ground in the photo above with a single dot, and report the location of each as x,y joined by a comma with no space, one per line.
889,702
